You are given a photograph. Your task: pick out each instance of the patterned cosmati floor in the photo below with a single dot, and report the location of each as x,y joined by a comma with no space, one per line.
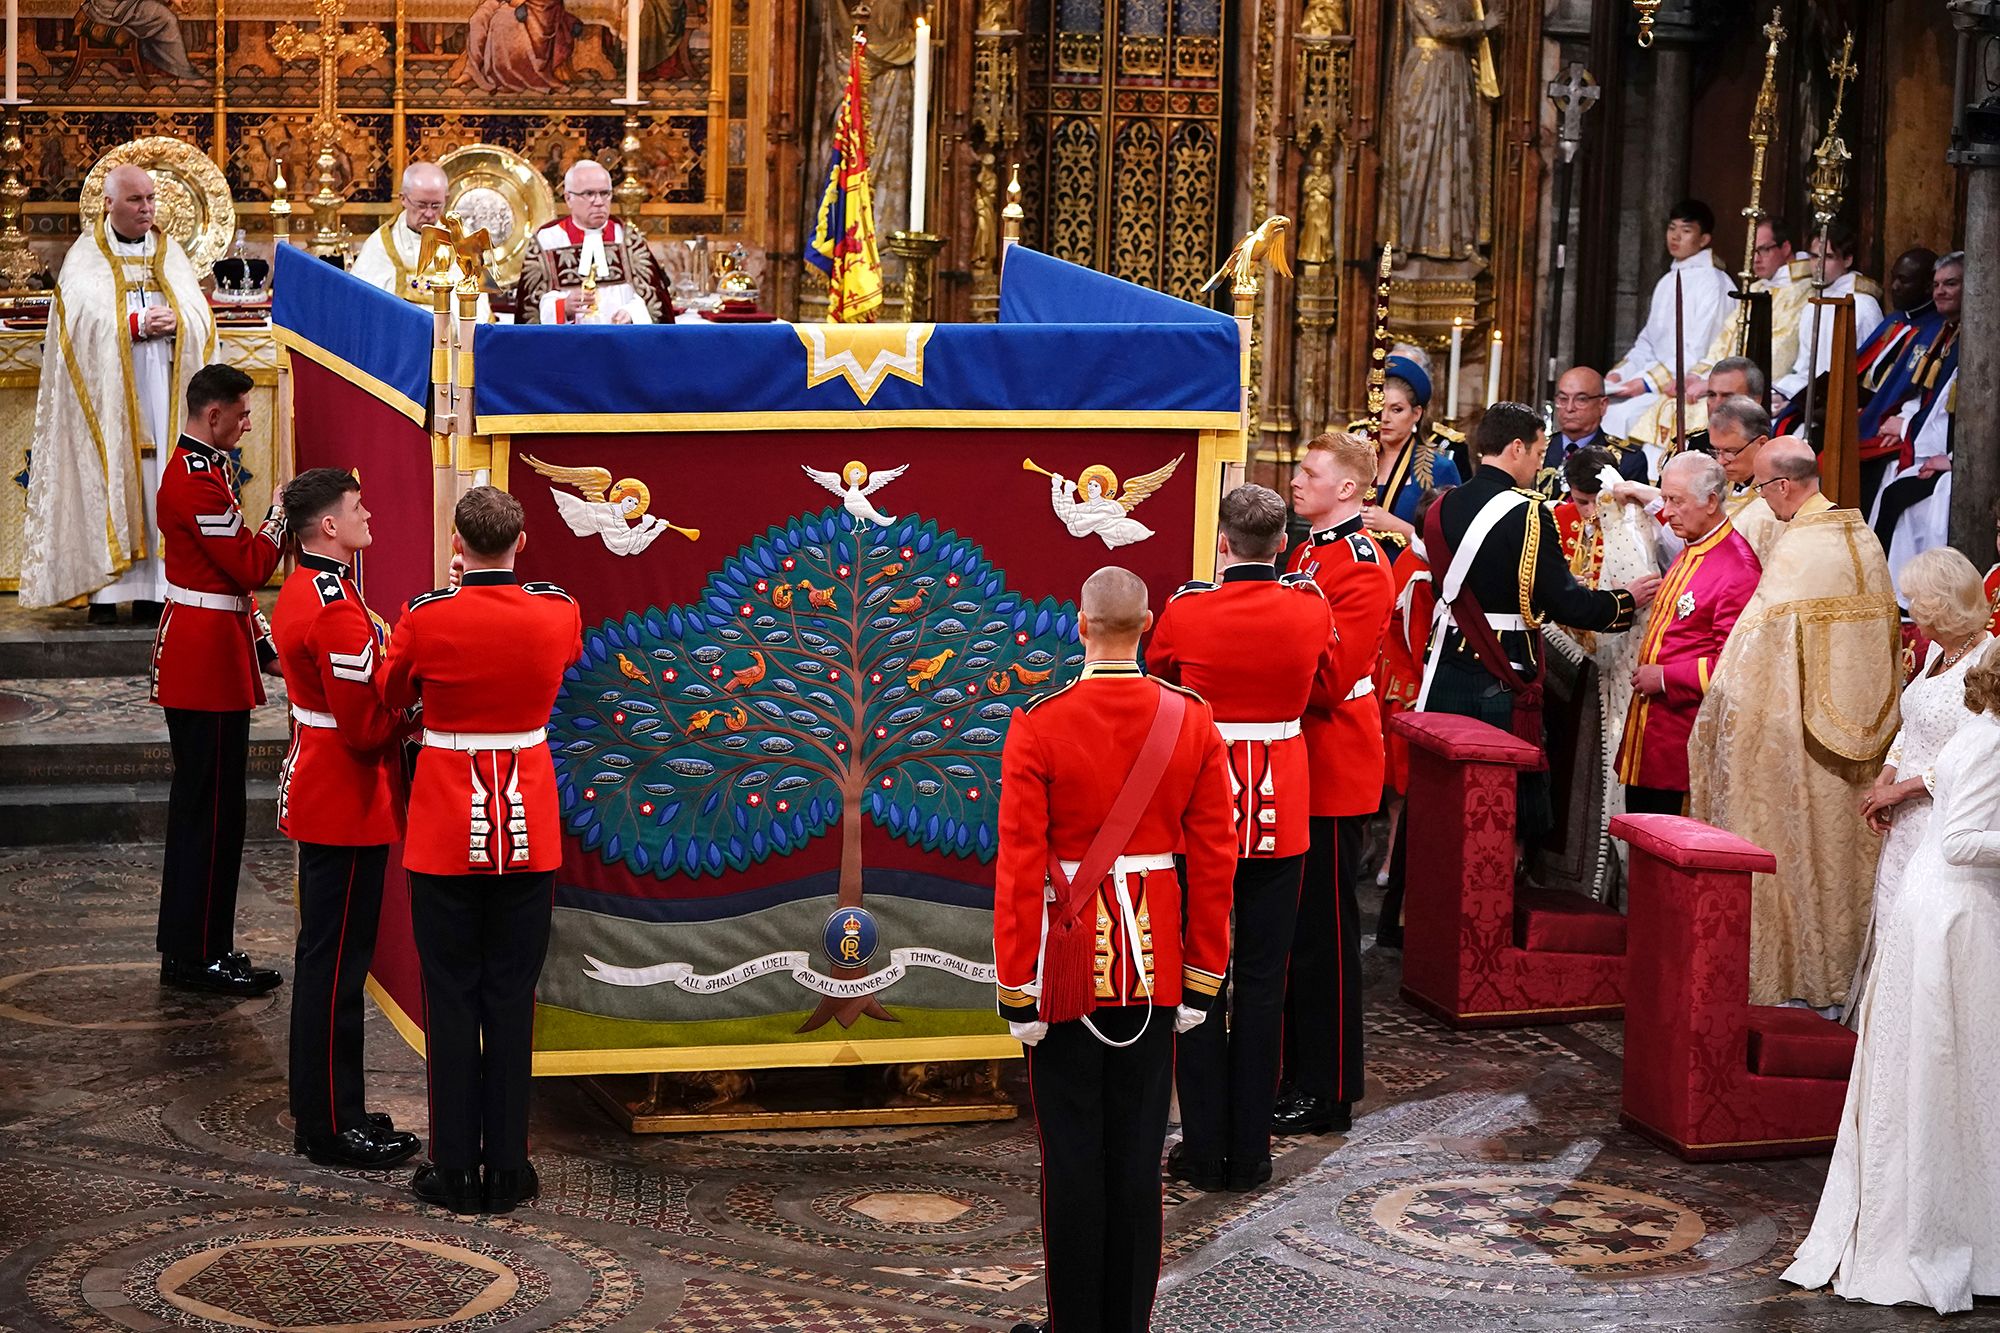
146,1183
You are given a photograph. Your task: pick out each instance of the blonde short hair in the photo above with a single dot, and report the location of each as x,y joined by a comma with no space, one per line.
1351,454
1982,682
1946,595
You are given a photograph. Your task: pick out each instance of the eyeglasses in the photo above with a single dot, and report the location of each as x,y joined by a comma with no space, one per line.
595,196
1722,455
1758,486
1768,246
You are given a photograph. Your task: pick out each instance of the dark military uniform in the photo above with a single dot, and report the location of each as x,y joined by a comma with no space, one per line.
1521,578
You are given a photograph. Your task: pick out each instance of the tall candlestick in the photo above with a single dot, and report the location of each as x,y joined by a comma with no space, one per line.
920,114
631,48
1493,370
1451,376
13,50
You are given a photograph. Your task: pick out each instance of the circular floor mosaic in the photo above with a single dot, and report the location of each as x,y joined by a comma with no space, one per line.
377,1283
1537,1223
109,997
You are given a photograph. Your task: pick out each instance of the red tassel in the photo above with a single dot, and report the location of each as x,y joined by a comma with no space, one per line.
1069,989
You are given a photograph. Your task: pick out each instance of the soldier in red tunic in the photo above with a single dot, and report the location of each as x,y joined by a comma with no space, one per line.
1227,1071
206,657
1101,953
1343,728
485,657
339,799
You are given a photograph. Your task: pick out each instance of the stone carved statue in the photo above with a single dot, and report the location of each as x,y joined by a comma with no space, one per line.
1323,18
1438,128
985,215
1316,218
892,45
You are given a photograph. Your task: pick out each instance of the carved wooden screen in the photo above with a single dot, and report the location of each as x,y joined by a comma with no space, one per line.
1122,160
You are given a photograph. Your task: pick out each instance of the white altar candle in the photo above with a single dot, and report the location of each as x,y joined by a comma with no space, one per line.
631,49
1451,376
13,50
1493,370
920,108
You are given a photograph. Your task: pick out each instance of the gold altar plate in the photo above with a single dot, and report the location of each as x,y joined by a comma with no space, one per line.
195,206
500,191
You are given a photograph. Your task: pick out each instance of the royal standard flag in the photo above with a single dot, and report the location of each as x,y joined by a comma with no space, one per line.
842,244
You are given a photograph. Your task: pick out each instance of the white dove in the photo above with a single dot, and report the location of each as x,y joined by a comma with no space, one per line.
854,485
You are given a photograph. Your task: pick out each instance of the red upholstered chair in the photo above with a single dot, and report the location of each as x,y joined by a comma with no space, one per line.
1476,953
1707,1073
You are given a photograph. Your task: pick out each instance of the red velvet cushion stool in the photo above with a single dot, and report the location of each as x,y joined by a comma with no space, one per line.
1706,1073
1558,921
1798,1043
1476,954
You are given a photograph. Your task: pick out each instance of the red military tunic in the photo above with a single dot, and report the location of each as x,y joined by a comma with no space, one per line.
339,785
1064,763
1252,646
1993,600
1582,540
1400,677
486,659
1703,593
205,651
1343,725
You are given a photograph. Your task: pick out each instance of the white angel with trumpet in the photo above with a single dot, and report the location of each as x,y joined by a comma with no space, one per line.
614,512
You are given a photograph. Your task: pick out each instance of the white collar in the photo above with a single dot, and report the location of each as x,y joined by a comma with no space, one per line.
1701,259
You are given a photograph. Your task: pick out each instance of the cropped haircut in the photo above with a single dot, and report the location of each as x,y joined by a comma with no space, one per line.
1351,454
1753,374
316,492
1743,412
1253,519
1946,594
1580,469
1842,237
1114,598
1695,211
488,521
216,384
1503,424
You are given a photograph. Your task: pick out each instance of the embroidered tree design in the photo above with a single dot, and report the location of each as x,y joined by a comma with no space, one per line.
820,677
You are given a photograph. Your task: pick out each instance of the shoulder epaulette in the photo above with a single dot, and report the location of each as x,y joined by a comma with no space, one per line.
543,588
1444,432
1169,685
1302,581
196,462
435,595
1530,492
1035,701
1364,548
327,585
1194,585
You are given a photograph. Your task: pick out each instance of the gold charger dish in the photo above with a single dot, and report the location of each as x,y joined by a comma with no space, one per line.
194,204
502,192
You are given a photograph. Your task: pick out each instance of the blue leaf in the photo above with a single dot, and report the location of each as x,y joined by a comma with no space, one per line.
584,723
742,818
757,846
714,799
715,858
674,623
736,849
668,851
593,835
639,856
653,626
611,848
924,543
931,829
985,838
1041,623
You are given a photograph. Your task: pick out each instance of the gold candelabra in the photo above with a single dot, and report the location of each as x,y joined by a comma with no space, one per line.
631,191
1648,11
1763,129
329,46
1378,358
18,265
919,251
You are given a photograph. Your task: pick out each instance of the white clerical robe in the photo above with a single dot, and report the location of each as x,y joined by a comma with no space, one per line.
1806,363
106,412
1652,358
388,258
612,297
1927,522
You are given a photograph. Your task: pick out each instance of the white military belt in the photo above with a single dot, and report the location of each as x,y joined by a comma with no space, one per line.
1126,866
307,717
1362,689
212,601
1507,622
1258,731
485,740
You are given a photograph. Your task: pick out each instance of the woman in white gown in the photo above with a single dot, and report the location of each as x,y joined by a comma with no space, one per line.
1948,603
1911,1211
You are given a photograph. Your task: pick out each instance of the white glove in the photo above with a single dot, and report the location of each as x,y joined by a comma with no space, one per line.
1027,1033
1187,1020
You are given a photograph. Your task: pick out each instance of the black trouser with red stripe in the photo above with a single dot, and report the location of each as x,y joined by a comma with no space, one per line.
481,940
1101,1115
1323,1003
205,813
340,900
1227,1069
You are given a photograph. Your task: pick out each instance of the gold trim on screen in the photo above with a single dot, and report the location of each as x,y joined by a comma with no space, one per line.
565,423
350,372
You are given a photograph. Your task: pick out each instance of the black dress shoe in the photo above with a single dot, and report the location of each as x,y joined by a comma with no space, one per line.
1030,1328
231,974
101,613
509,1186
365,1147
1311,1115
456,1188
377,1121
1241,1179
1206,1176
148,613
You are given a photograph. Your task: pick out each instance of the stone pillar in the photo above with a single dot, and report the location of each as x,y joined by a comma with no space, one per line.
1975,466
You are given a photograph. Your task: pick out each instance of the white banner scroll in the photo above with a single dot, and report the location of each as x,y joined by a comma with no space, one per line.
799,964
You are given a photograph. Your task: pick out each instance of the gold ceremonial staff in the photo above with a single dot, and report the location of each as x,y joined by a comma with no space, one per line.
1763,131
1829,184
